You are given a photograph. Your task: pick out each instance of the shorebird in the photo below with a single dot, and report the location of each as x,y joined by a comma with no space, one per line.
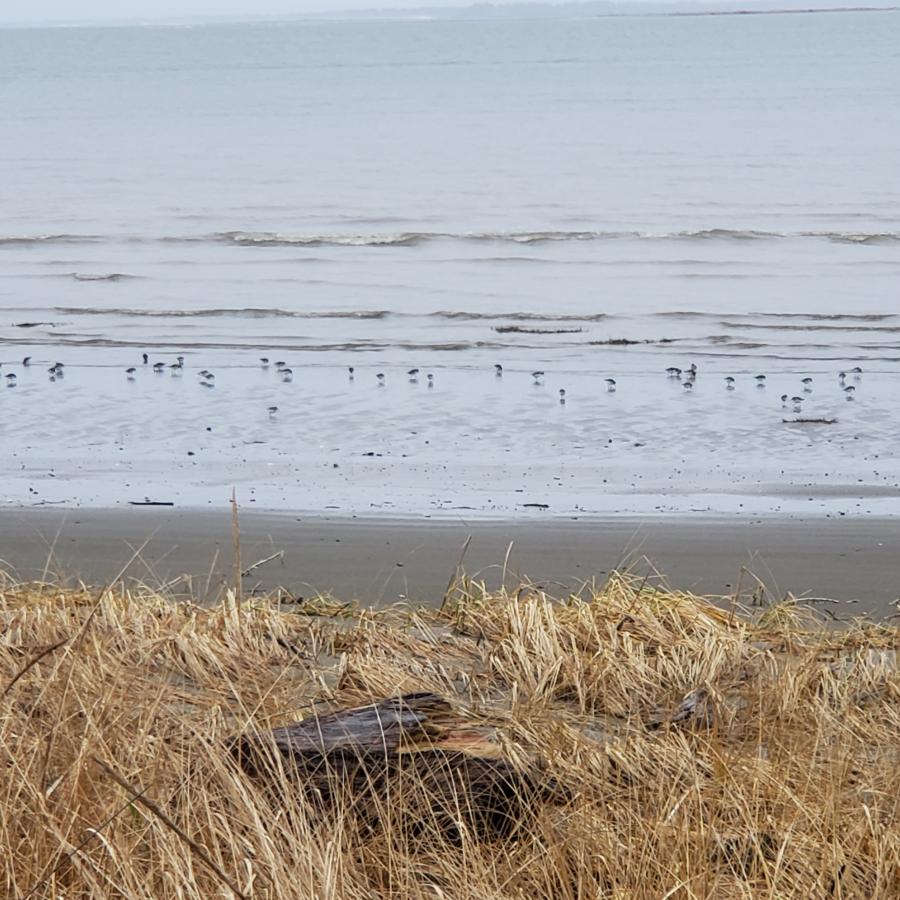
11,379
498,369
688,385
797,401
729,383
842,377
537,376
130,373
264,362
807,384
610,384
760,380
146,358
430,380
692,370
26,362
673,372
207,384
413,374
856,370
350,371
849,391
784,400
158,367
205,374
273,410
280,364
286,374
380,377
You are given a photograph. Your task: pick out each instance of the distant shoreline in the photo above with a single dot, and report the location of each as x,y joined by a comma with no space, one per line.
513,13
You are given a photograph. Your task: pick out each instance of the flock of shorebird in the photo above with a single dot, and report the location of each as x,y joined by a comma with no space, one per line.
686,377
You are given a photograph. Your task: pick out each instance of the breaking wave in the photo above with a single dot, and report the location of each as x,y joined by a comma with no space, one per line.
415,238
111,276
51,239
277,313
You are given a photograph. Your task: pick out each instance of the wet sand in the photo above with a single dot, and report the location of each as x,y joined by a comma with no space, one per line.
383,560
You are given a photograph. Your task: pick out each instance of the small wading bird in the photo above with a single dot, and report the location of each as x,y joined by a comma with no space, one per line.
688,385
784,400
537,376
145,357
158,367
610,384
380,377
264,362
673,372
413,375
26,362
11,379
273,410
350,371
130,373
562,396
430,380
849,391
807,384
498,369
729,383
760,380
798,402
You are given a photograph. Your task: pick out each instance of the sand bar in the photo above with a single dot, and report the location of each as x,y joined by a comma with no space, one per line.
379,560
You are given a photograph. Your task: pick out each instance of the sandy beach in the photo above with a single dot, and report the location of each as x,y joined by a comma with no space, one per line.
379,560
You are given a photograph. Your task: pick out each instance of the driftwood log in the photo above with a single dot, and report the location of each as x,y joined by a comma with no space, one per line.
405,762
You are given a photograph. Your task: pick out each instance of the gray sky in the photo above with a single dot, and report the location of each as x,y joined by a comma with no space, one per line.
94,10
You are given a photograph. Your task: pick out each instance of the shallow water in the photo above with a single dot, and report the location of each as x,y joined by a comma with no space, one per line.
594,199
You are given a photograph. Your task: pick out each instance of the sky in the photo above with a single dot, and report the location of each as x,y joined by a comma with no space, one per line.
13,11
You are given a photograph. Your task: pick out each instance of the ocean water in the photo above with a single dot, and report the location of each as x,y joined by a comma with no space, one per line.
593,199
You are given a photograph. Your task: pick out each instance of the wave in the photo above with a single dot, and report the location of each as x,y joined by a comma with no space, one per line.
518,316
811,326
52,239
218,312
415,238
110,276
277,313
746,320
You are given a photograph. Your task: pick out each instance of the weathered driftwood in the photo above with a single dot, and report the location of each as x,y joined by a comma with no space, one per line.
407,759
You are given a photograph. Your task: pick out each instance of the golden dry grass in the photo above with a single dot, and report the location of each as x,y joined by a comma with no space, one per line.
785,782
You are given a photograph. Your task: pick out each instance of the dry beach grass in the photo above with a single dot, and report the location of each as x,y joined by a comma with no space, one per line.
698,751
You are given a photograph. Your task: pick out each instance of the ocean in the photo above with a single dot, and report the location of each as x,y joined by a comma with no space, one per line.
592,199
